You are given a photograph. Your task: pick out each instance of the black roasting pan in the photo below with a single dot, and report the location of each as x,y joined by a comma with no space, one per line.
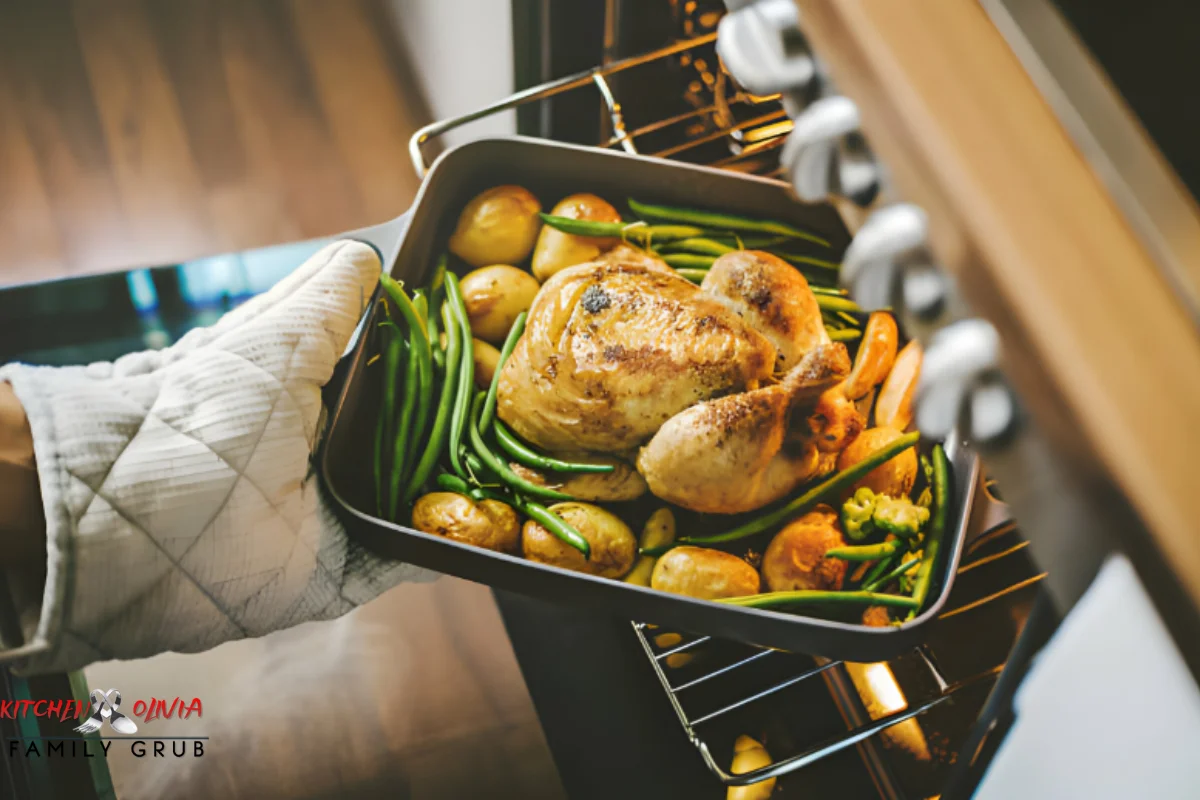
552,170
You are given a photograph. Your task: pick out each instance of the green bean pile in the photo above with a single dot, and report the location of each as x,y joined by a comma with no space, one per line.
690,241
464,435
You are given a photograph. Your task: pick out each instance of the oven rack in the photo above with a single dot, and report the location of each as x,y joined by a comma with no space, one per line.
862,726
753,126
753,129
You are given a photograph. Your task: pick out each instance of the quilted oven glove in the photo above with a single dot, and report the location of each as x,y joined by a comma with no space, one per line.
180,507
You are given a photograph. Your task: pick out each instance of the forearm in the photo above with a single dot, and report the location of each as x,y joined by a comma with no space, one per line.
22,524
178,507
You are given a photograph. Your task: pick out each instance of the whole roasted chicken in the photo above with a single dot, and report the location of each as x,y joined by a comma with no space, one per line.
719,385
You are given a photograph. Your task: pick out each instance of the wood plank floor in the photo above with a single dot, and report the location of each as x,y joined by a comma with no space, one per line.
142,132
145,132
416,696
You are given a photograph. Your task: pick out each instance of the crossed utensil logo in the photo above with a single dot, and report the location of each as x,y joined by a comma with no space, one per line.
104,707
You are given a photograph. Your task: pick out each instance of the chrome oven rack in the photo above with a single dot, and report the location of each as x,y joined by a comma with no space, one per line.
751,127
722,689
719,690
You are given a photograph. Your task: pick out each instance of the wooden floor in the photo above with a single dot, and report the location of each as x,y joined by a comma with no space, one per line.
416,696
142,132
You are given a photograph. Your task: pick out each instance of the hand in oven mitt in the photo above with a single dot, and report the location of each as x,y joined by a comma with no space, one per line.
180,508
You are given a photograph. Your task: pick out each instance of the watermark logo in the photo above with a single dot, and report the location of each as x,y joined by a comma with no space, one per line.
104,709
92,736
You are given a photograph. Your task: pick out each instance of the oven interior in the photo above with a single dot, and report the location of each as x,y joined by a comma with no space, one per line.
919,726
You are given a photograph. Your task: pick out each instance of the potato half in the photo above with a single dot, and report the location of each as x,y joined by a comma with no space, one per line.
613,544
498,226
795,559
495,296
704,573
556,250
488,523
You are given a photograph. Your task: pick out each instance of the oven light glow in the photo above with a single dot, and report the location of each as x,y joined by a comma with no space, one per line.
882,684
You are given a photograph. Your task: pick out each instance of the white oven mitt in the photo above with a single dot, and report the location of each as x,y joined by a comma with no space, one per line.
180,508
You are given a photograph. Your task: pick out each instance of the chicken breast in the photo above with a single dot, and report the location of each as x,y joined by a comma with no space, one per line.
732,454
773,296
613,350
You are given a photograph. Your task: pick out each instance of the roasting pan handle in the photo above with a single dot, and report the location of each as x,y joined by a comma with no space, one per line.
597,77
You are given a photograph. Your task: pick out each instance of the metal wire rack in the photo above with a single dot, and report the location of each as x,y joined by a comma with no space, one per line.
745,129
735,690
719,689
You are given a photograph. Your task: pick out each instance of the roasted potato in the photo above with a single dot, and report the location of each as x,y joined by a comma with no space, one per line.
704,573
556,250
876,617
658,530
795,559
488,523
894,478
498,226
495,296
487,358
613,544
749,755
895,406
623,483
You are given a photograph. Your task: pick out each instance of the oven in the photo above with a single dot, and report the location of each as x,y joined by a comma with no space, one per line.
651,78
631,710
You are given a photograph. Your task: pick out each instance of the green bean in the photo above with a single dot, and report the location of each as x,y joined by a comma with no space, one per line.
436,442
415,411
559,527
881,566
710,219
688,260
497,464
846,335
638,232
453,483
760,242
883,580
832,291
510,342
835,304
811,596
419,352
932,541
460,417
523,454
792,258
849,319
866,552
832,485
703,247
424,381
693,275
438,279
585,227
437,351
401,431
393,350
